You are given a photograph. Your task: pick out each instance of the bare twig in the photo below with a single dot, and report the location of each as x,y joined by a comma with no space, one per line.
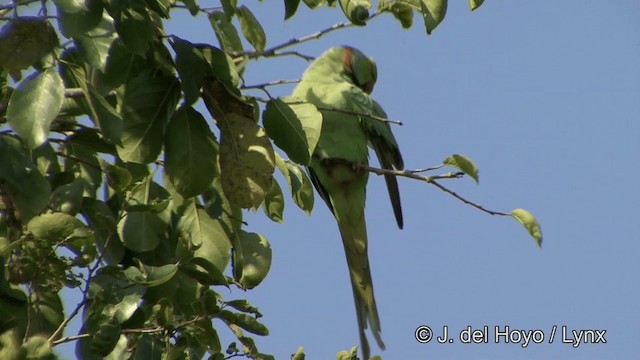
295,41
82,302
432,180
272,83
145,330
77,159
417,171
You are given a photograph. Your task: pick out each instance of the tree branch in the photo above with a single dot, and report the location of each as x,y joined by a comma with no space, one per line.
145,330
294,41
412,174
272,83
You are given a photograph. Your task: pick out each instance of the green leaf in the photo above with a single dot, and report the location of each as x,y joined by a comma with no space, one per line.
105,116
299,355
101,219
94,45
82,156
530,223
299,184
115,295
142,230
357,11
149,347
106,338
226,33
294,126
56,227
312,4
136,29
221,66
191,66
118,177
253,260
474,4
290,8
34,105
464,164
24,185
67,198
348,355
244,306
204,272
193,7
433,12
79,17
47,312
229,7
273,204
122,64
150,276
149,102
37,347
202,338
209,236
161,7
71,6
46,160
247,322
251,28
400,10
191,153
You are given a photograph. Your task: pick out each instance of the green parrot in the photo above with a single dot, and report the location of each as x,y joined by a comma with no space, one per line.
339,83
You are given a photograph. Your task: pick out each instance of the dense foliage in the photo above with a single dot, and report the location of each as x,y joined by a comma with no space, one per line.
111,180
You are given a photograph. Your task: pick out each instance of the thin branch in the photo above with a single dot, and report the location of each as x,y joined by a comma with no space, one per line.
77,159
272,83
432,180
145,330
356,113
417,171
295,41
410,174
294,53
477,206
74,92
82,302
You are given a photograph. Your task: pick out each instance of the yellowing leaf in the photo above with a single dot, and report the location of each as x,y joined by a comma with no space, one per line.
530,223
464,164
246,161
474,4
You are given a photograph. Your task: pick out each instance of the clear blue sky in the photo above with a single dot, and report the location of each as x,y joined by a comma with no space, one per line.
545,97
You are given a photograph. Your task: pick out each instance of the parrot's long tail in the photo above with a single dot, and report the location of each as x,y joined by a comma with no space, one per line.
354,239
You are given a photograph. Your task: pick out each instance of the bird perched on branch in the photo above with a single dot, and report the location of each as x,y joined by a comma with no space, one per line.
339,83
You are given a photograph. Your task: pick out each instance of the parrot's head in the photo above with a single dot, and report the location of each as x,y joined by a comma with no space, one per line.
360,69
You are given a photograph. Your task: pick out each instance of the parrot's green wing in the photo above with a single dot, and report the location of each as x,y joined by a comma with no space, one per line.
383,142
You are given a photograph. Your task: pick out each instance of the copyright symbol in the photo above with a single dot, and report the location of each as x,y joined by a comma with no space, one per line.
423,334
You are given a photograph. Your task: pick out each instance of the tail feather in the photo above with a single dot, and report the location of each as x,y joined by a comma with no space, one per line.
354,239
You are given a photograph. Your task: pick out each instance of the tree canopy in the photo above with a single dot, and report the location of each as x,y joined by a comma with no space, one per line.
113,182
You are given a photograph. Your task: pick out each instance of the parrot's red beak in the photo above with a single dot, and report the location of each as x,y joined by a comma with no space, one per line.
368,87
